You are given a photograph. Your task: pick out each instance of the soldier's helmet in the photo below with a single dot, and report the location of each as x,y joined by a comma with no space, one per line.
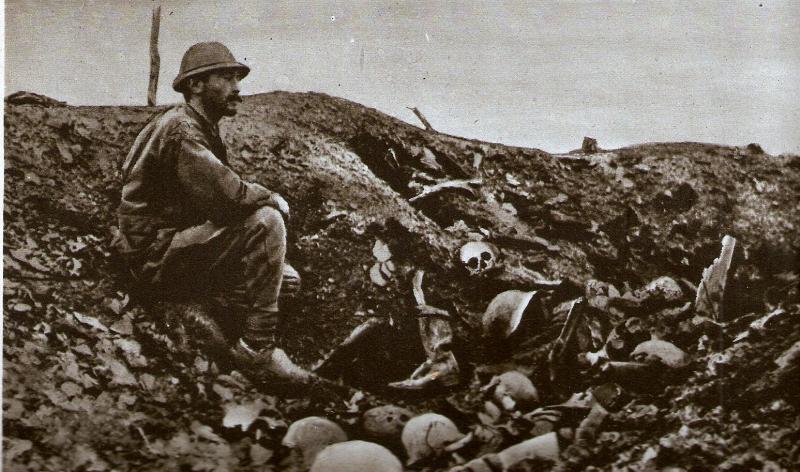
207,57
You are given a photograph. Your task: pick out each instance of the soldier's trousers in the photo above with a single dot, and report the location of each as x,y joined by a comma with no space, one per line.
239,266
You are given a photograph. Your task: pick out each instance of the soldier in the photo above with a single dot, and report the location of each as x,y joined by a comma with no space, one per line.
190,227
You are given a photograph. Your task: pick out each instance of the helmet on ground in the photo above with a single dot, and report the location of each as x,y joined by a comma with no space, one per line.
207,57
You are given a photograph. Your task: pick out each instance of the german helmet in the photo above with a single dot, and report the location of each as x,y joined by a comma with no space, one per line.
205,57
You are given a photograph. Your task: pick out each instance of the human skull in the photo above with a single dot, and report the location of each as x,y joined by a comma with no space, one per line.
478,257
385,422
429,435
310,435
513,388
356,456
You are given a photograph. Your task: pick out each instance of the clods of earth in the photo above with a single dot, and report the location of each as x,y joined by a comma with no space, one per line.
635,308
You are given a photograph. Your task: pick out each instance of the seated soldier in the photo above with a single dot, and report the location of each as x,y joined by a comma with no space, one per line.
189,225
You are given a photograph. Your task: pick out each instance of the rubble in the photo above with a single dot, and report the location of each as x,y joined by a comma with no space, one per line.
133,395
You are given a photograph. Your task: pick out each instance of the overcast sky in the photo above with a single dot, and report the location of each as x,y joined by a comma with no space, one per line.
540,74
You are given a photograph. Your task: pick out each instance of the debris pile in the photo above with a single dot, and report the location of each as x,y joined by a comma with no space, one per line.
632,308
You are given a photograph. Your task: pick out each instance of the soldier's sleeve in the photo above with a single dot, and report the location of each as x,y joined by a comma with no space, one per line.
214,188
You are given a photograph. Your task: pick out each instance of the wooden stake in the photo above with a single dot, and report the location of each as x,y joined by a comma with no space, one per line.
422,118
155,59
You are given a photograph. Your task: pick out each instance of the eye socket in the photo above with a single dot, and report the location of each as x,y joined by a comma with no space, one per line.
473,262
486,256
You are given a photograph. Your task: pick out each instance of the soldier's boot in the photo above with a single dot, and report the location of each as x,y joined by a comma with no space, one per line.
258,354
443,372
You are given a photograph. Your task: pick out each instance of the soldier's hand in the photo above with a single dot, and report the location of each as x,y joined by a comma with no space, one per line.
280,204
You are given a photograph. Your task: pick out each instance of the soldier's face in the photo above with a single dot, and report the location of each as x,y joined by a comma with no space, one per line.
221,93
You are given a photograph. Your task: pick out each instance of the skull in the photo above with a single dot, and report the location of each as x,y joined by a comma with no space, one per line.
356,456
385,422
429,435
513,388
478,257
310,435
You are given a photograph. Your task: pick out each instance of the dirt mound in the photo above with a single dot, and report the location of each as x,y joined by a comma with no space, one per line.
109,389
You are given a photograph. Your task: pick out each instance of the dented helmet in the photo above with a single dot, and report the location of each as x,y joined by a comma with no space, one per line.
309,436
504,313
478,257
356,456
427,436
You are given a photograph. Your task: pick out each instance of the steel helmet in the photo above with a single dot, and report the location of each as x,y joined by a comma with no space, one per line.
205,57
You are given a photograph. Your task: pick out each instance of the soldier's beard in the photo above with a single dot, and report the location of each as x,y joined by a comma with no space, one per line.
219,106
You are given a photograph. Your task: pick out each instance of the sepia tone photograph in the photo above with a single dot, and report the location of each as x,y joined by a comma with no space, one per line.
374,235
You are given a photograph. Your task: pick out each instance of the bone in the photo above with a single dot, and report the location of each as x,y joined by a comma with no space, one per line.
435,332
711,290
562,343
427,191
346,346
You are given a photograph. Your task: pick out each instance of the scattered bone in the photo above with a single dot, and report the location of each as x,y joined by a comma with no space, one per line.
346,347
512,181
356,456
790,357
429,161
311,435
541,447
465,185
527,277
589,427
441,365
711,290
427,436
478,257
381,251
504,313
760,325
376,276
556,357
385,422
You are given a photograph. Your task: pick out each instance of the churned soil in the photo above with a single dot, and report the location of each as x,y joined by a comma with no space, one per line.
95,377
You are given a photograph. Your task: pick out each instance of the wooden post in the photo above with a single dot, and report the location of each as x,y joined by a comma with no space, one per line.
155,59
422,118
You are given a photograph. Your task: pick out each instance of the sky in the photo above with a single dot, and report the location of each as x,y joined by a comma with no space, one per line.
531,73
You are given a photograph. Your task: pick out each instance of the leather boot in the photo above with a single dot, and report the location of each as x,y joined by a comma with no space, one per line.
442,372
257,353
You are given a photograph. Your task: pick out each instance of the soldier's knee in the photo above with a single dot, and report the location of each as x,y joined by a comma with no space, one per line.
270,218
